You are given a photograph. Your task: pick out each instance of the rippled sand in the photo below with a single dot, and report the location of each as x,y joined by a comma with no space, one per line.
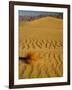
42,39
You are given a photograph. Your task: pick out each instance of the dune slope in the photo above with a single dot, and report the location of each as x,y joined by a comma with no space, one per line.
49,27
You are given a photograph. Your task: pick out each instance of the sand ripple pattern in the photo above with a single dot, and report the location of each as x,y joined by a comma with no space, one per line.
49,58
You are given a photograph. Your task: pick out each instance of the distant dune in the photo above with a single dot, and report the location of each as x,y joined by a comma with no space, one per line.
47,27
41,43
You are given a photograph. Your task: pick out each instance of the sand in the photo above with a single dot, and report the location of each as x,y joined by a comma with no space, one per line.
42,39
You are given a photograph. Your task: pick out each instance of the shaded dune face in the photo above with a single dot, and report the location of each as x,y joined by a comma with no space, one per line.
41,48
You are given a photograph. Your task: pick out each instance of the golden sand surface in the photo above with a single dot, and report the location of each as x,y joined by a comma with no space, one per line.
42,41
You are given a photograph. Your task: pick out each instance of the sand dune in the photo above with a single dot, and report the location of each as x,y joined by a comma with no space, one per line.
50,22
43,40
44,28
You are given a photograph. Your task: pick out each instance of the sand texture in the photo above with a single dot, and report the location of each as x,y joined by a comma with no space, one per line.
41,44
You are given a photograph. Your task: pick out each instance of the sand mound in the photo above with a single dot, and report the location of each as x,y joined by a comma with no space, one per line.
44,28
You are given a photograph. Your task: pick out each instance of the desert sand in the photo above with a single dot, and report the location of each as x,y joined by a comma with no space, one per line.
42,40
